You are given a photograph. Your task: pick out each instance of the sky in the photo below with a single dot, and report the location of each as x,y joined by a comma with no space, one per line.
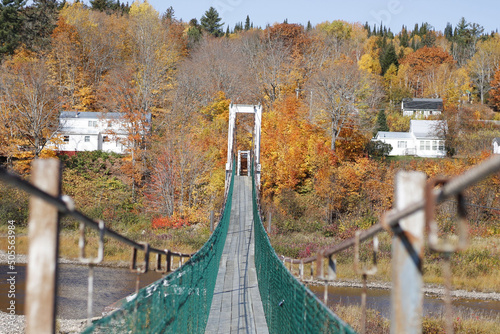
392,13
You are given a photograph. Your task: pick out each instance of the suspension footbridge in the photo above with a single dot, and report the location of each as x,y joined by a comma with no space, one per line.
236,283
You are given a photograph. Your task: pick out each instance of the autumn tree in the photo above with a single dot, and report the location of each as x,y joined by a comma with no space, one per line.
30,100
337,88
153,55
89,45
495,90
422,65
483,64
293,149
64,61
270,61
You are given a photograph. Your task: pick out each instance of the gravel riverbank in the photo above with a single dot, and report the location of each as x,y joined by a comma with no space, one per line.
16,324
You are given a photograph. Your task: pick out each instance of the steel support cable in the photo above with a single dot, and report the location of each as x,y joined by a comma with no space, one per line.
67,207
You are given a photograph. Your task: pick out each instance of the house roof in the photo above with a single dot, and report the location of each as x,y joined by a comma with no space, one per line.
96,115
422,104
393,135
496,140
426,129
90,115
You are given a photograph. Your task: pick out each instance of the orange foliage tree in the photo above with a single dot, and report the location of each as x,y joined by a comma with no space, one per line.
495,90
423,65
292,149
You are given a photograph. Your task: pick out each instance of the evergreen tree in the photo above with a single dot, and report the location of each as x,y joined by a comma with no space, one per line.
227,31
169,14
39,21
11,23
247,23
404,37
309,26
368,28
388,57
103,5
238,27
448,31
193,33
381,124
211,22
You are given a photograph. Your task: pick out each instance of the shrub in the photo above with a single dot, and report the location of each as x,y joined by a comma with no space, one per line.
169,222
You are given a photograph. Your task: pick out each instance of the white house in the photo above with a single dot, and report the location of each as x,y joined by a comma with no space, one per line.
423,139
496,145
421,108
91,131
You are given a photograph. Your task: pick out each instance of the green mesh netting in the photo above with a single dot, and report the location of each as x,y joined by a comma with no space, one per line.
179,302
288,305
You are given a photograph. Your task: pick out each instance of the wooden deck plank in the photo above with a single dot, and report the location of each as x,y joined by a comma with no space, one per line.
236,306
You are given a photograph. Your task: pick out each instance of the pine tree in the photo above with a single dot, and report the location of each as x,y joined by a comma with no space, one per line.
11,21
211,22
381,122
404,37
309,26
247,23
39,21
388,57
102,5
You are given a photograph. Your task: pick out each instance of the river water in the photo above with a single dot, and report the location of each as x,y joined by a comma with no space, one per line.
113,284
380,300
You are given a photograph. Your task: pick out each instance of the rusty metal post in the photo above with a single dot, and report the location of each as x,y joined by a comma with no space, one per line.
407,253
169,261
269,216
43,248
212,221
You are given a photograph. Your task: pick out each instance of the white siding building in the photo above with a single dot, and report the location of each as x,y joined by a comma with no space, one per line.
496,146
91,131
423,140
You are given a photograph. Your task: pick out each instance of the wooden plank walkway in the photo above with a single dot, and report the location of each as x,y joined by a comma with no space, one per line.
236,305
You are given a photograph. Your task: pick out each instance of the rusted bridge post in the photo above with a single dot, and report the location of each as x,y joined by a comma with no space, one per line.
407,253
211,221
43,244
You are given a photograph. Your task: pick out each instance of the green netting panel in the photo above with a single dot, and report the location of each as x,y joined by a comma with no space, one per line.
289,306
179,302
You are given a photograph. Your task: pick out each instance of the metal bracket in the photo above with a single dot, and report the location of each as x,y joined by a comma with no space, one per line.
159,268
364,270
81,245
133,264
435,243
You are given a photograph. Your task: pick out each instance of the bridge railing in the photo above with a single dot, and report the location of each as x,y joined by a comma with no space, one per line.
179,302
412,225
288,305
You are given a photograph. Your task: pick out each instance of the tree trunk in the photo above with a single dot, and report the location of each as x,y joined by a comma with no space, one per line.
334,137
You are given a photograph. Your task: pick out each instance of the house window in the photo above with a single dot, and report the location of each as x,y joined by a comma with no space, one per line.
401,144
66,139
92,124
422,145
86,139
441,145
434,145
428,145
